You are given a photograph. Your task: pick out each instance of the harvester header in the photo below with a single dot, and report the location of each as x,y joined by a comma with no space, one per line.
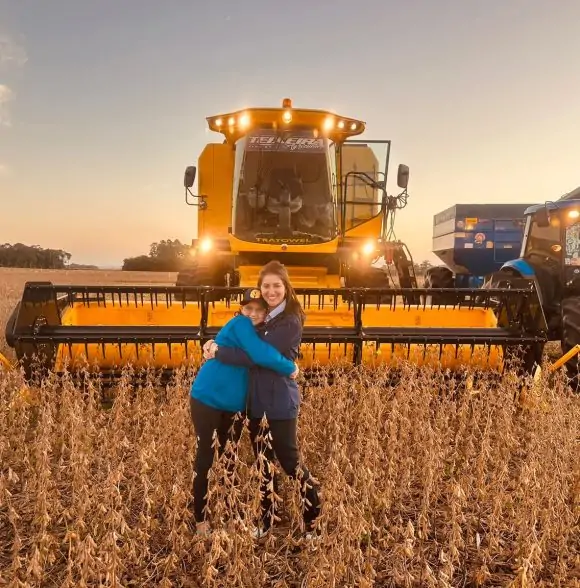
322,123
58,327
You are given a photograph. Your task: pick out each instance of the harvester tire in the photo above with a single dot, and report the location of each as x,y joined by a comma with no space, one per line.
440,277
198,275
571,337
11,323
370,277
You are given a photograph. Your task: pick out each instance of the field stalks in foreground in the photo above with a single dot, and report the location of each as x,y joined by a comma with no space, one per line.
422,484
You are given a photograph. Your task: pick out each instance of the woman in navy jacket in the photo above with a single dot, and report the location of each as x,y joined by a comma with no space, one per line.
274,395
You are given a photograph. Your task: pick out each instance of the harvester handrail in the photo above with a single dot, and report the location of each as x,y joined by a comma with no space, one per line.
121,294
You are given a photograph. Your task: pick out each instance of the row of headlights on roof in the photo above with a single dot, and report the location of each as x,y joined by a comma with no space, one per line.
243,122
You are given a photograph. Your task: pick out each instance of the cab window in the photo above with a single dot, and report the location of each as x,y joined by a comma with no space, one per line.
544,241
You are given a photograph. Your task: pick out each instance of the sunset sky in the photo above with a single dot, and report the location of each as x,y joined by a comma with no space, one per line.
103,104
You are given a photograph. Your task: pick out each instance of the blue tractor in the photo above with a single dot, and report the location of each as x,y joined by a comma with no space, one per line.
548,254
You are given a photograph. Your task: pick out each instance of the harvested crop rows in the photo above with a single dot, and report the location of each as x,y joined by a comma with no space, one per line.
423,484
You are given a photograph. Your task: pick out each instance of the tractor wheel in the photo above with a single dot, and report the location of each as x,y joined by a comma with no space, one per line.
531,357
440,277
571,338
550,290
504,279
11,323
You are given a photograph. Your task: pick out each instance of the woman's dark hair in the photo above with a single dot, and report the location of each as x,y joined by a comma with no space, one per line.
293,305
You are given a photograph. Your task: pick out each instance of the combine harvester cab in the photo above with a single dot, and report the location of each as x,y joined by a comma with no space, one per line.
294,185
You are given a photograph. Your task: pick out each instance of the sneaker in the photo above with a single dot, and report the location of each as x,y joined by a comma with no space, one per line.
203,529
260,533
312,539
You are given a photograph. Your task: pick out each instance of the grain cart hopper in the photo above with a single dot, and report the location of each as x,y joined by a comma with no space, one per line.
295,185
473,241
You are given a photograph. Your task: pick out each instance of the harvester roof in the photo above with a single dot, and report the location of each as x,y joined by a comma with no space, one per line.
234,125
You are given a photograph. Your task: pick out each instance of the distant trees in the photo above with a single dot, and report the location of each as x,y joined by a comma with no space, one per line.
164,256
32,256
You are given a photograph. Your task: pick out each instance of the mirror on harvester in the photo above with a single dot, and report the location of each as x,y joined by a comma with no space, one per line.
542,218
403,176
189,177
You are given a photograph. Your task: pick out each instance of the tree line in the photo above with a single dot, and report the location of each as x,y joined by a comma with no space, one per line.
32,256
168,255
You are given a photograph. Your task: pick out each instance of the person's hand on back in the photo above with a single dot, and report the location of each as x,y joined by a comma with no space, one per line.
295,373
209,349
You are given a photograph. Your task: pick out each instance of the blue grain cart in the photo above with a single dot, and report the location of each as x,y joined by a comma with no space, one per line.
474,240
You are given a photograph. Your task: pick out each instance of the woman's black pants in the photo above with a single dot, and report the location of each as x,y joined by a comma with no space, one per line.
283,446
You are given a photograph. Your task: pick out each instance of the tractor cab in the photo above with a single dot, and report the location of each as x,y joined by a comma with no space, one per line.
552,237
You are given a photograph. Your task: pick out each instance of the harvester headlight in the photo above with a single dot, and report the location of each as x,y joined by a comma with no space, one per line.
287,117
231,121
574,214
205,245
368,248
341,124
353,127
328,124
244,121
218,122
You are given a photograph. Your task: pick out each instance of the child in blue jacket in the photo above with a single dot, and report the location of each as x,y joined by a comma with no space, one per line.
219,391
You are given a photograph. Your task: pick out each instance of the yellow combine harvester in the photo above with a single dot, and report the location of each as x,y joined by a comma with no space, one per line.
294,185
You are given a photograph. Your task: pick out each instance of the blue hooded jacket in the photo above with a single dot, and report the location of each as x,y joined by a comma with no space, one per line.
270,393
225,386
